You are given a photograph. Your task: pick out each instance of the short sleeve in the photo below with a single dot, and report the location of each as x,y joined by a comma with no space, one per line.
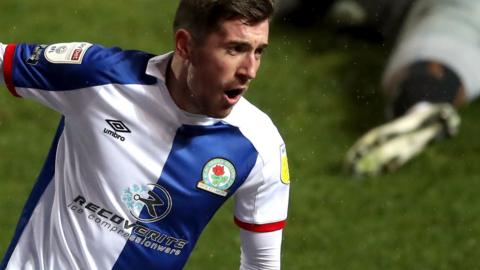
261,203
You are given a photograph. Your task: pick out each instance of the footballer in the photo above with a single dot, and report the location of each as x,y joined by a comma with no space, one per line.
150,146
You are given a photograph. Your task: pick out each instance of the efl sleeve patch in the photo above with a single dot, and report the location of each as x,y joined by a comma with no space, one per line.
66,53
285,173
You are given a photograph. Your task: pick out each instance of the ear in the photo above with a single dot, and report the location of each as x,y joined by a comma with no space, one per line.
183,43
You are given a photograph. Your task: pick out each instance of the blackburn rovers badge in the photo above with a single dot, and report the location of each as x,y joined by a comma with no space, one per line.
218,176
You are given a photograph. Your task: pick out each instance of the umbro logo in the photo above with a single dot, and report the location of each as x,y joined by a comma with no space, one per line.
117,126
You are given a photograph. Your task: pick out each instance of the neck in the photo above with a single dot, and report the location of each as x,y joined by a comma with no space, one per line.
176,82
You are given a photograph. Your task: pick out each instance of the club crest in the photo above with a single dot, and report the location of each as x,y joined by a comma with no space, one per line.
218,176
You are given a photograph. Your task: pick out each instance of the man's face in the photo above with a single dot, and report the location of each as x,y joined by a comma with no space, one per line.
222,67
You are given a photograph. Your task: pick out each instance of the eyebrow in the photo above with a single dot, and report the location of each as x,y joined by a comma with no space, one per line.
246,44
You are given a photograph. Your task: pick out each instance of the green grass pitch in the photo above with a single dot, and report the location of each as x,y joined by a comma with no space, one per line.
321,89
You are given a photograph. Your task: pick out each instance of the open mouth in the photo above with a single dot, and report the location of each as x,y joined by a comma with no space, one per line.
234,93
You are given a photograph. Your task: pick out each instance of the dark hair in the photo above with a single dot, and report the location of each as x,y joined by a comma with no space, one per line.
202,17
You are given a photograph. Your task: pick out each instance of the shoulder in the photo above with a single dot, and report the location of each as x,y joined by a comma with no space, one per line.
257,127
124,66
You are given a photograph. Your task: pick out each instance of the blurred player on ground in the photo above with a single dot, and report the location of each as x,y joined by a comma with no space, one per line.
432,71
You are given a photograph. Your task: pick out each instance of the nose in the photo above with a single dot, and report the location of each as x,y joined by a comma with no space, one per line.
248,67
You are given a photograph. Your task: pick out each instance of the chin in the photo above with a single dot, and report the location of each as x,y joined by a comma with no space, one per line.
220,114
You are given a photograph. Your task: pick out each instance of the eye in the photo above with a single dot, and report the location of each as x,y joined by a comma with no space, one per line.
259,52
236,49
